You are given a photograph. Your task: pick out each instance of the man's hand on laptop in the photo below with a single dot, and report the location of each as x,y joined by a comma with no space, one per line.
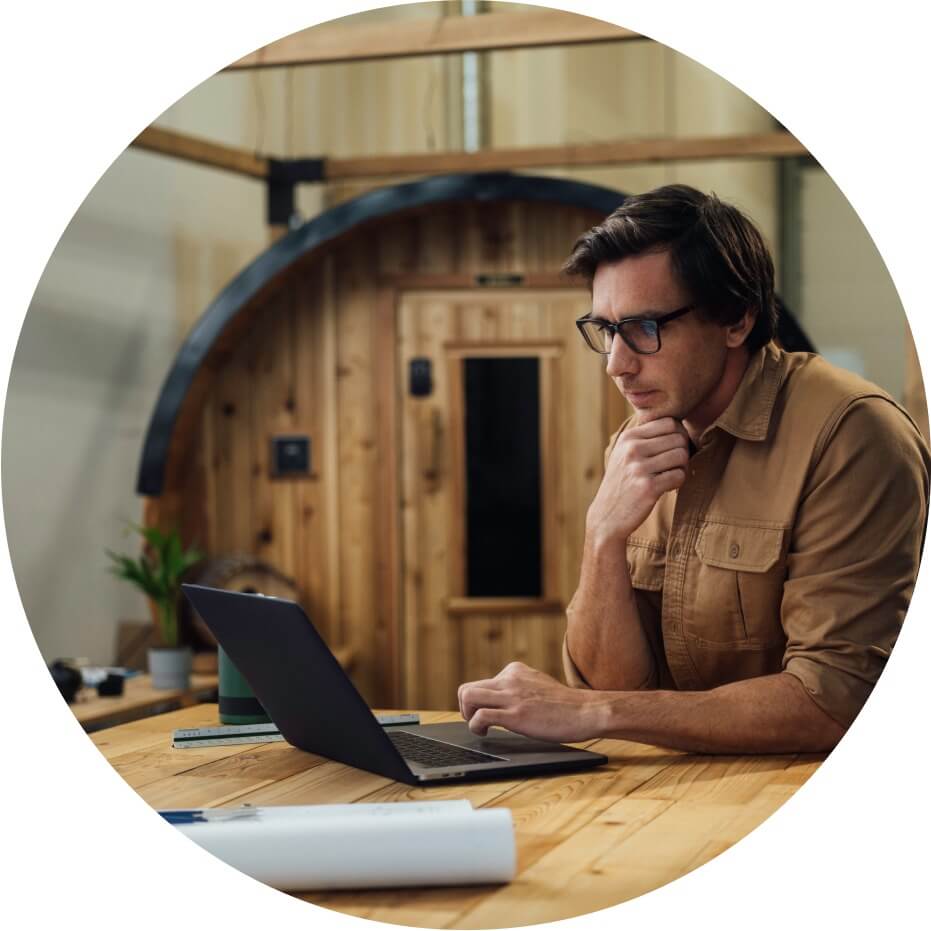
529,702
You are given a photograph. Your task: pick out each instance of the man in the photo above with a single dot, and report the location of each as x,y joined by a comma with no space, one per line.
753,546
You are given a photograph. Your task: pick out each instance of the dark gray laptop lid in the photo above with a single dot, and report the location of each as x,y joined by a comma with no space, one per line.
313,703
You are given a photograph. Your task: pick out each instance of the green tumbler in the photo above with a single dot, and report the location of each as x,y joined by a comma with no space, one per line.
238,705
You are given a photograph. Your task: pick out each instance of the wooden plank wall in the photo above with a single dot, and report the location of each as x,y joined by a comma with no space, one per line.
445,646
305,365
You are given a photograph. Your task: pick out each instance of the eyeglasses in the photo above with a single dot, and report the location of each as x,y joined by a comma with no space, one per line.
640,333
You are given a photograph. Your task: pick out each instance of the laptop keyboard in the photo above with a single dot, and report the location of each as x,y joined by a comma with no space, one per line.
432,753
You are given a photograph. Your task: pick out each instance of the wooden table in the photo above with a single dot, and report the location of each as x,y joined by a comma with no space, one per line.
585,841
138,700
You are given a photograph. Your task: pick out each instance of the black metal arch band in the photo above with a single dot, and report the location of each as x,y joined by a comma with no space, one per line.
485,188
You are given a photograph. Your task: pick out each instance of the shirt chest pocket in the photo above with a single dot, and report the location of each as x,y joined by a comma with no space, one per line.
734,586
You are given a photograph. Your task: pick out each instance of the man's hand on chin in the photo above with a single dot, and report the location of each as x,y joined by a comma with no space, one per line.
531,703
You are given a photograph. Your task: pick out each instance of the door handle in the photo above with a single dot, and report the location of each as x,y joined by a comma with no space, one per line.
431,448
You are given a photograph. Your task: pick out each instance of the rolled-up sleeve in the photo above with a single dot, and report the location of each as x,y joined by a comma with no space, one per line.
574,678
854,554
650,610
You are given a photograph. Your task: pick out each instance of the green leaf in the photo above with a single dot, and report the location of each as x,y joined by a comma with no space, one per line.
153,536
157,571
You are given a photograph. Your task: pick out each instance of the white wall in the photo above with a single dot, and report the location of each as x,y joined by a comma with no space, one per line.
153,241
848,304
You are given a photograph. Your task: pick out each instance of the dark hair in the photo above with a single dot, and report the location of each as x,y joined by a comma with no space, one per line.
717,253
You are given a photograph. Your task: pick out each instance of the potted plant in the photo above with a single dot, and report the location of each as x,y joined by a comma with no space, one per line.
158,572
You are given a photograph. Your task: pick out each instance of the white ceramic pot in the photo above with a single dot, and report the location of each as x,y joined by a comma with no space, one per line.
170,667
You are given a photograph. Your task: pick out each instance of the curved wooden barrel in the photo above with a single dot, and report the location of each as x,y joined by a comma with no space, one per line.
238,573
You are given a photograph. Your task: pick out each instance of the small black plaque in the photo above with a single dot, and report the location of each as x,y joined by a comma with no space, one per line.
499,281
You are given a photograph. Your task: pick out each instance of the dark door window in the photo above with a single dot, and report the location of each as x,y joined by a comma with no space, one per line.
503,501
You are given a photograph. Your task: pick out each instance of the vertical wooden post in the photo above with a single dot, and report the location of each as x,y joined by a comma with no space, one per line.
388,562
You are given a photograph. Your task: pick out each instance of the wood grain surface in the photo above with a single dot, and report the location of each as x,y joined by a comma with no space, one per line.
586,841
340,41
139,699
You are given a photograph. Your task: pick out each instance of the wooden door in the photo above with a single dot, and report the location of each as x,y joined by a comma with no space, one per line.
508,373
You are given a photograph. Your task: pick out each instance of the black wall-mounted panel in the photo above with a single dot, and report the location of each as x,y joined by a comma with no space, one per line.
290,456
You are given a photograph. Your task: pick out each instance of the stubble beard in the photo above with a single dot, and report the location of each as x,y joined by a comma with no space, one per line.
697,388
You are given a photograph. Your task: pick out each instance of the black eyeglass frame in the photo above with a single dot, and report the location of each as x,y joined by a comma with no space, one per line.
617,329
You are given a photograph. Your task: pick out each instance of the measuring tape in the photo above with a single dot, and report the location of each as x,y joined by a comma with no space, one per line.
229,735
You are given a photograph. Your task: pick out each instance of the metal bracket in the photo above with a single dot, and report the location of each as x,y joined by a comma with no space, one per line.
283,176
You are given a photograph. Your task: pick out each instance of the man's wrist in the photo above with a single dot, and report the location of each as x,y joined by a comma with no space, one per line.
599,714
600,539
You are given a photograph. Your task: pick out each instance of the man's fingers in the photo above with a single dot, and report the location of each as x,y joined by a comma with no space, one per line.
479,723
473,698
645,417
488,717
667,481
478,684
662,444
657,454
653,428
486,685
658,427
672,459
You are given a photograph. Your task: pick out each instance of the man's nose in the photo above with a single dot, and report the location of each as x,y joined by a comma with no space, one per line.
622,360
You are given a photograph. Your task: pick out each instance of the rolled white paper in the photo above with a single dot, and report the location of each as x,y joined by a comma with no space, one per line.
315,847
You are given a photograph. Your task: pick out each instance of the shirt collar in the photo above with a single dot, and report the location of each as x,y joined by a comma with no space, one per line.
747,416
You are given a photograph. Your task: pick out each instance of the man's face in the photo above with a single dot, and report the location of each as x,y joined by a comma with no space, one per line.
680,379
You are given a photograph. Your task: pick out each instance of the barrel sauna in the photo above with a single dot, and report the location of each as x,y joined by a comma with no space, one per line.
392,408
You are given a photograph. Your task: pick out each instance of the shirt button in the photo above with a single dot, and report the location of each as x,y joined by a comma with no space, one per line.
676,550
735,551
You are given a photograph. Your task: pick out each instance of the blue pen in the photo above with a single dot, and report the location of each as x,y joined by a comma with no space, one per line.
183,817
203,815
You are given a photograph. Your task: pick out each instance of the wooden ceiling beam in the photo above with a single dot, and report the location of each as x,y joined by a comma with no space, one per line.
201,151
327,44
764,145
628,152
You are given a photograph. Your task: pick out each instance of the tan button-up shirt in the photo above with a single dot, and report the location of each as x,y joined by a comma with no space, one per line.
793,544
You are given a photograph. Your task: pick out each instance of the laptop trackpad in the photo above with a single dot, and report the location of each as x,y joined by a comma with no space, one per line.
499,741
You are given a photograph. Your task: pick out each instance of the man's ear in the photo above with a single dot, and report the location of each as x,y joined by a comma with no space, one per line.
737,333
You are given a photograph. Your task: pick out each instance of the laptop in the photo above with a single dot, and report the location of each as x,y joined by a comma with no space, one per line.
305,692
